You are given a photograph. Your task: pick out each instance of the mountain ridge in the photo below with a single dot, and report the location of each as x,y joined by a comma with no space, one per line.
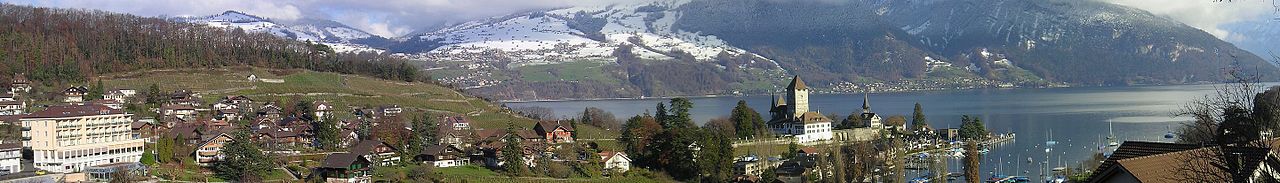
750,47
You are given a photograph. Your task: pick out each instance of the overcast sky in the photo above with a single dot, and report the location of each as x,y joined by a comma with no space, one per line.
392,18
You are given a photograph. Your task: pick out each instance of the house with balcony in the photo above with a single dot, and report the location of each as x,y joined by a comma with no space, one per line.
344,168
71,138
210,150
378,152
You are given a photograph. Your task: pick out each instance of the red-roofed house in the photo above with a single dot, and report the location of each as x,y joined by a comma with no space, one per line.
554,132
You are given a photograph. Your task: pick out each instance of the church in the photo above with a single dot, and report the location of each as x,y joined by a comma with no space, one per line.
791,117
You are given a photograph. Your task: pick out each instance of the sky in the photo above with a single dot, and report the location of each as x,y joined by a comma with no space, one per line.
394,18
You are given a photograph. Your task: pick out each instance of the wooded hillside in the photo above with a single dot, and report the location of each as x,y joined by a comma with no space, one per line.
54,45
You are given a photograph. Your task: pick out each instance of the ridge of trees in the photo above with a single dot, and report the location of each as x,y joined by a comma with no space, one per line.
55,45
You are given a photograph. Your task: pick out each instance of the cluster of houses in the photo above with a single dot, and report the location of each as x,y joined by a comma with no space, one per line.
99,137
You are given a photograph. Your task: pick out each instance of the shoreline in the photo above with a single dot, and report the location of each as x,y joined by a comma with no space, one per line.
846,93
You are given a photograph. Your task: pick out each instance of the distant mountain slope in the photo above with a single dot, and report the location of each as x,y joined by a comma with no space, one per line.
1257,36
698,47
1084,42
340,37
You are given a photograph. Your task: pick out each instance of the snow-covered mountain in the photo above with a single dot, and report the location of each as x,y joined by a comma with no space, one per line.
570,34
340,37
696,47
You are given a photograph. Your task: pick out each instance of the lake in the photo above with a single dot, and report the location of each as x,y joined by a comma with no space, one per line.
1077,117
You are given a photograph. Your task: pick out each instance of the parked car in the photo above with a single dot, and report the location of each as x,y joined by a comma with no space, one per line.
41,172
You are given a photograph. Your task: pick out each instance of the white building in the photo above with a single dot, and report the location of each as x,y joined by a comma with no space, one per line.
73,137
615,161
11,157
793,118
121,95
870,119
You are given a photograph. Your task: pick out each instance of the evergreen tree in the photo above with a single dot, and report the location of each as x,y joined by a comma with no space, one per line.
304,109
328,136
747,121
917,118
155,97
716,157
96,92
243,160
661,114
972,129
429,127
792,148
971,162
164,149
679,114
513,154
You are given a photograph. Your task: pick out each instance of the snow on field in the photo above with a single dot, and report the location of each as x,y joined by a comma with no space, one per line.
546,37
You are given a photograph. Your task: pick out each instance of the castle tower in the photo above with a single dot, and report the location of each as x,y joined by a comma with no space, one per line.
797,97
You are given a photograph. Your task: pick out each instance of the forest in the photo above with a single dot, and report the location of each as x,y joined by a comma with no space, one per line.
59,46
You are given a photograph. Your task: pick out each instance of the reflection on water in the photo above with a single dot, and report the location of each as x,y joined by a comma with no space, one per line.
1077,116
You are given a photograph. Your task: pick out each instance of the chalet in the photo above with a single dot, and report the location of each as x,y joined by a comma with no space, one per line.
120,95
184,97
344,167
189,133
323,109
453,137
554,132
74,94
210,150
20,84
293,124
381,153
491,153
12,107
185,112
442,156
278,138
615,161
390,110
232,114
754,167
270,111
455,123
147,129
798,167
793,118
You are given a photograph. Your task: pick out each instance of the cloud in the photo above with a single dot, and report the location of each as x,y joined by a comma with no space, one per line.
1207,15
387,18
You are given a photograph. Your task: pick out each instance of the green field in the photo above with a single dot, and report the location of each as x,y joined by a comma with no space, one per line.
338,89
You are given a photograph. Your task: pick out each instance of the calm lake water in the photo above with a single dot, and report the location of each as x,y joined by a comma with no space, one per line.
1076,116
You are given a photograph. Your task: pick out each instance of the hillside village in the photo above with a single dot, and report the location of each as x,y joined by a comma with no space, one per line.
94,134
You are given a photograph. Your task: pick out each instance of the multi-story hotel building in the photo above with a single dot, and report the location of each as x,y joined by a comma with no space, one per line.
73,137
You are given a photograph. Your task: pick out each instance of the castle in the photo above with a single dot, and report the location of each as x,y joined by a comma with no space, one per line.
791,117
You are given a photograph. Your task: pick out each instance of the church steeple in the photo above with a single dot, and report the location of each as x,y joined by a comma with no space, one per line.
866,104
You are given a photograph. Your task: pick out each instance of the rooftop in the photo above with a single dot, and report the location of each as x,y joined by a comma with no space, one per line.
74,111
